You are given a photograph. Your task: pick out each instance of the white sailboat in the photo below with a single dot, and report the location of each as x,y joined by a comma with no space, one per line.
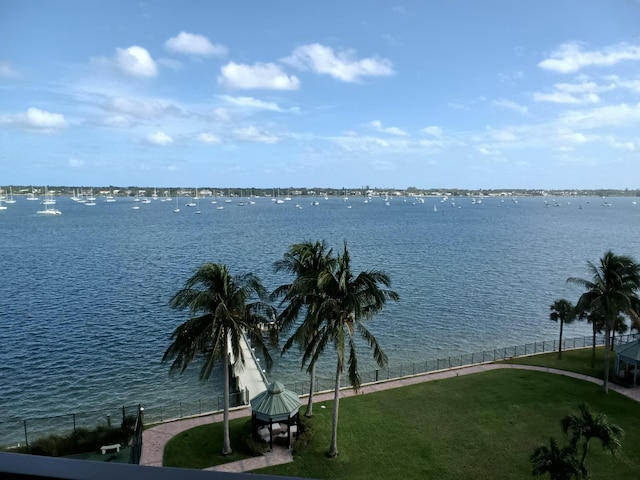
32,196
10,199
48,209
177,209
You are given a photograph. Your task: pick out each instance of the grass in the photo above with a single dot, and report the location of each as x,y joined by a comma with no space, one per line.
201,447
478,426
578,361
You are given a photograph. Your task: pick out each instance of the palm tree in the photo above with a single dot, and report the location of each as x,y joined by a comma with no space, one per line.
596,319
344,303
563,311
559,463
586,426
305,260
220,314
612,290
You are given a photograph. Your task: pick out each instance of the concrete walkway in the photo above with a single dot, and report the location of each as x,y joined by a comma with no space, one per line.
155,439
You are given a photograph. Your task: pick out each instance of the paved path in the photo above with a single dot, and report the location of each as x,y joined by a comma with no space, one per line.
154,439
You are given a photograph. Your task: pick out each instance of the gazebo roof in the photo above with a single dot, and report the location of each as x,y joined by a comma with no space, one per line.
629,352
275,403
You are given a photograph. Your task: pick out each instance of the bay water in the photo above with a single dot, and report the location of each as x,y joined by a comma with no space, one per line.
84,296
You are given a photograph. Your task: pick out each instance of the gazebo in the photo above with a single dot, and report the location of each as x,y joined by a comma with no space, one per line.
275,413
630,354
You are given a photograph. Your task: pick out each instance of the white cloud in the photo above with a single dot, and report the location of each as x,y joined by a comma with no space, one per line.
571,57
509,105
504,136
250,102
260,75
159,138
118,121
135,61
7,70
142,109
75,163
574,93
566,98
253,134
208,138
612,115
377,125
193,44
341,65
223,115
35,119
433,131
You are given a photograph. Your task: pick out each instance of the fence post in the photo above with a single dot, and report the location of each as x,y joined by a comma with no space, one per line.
26,438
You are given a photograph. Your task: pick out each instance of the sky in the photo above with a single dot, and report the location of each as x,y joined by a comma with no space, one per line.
490,94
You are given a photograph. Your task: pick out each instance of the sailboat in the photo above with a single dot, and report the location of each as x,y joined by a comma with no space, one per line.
177,209
10,199
32,195
48,210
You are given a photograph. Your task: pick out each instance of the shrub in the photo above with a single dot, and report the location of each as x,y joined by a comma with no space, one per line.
83,440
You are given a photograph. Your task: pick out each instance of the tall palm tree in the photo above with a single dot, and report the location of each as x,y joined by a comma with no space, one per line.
222,309
587,426
344,303
596,319
562,310
305,260
613,290
559,463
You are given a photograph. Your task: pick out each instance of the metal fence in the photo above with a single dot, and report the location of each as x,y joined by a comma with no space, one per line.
136,441
24,431
408,369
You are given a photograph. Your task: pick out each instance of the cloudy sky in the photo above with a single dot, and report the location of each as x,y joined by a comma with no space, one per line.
469,94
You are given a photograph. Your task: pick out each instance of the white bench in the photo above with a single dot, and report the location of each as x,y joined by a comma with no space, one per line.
115,446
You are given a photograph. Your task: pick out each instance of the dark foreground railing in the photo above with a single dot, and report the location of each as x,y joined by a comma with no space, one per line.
31,467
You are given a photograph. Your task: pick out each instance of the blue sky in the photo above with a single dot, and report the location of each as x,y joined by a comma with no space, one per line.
467,94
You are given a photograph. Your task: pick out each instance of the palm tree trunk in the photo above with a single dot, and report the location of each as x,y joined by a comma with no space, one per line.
613,338
560,346
226,448
333,449
607,339
312,380
593,349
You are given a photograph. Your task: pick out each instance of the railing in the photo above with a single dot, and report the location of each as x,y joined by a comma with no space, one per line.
136,441
456,361
12,433
23,432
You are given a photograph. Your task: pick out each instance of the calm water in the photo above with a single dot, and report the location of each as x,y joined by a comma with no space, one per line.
84,296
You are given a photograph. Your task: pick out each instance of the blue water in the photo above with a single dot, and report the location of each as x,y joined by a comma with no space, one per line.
84,316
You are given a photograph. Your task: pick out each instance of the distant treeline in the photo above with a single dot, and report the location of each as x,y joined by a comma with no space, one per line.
304,191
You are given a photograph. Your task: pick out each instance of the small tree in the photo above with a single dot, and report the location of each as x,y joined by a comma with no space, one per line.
559,463
587,426
563,311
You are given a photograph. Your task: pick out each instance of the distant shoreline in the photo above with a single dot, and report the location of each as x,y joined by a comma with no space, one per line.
23,190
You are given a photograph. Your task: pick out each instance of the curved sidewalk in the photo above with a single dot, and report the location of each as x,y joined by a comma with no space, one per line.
155,438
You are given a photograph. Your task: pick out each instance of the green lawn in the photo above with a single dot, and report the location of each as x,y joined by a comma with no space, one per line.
200,447
478,426
578,361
